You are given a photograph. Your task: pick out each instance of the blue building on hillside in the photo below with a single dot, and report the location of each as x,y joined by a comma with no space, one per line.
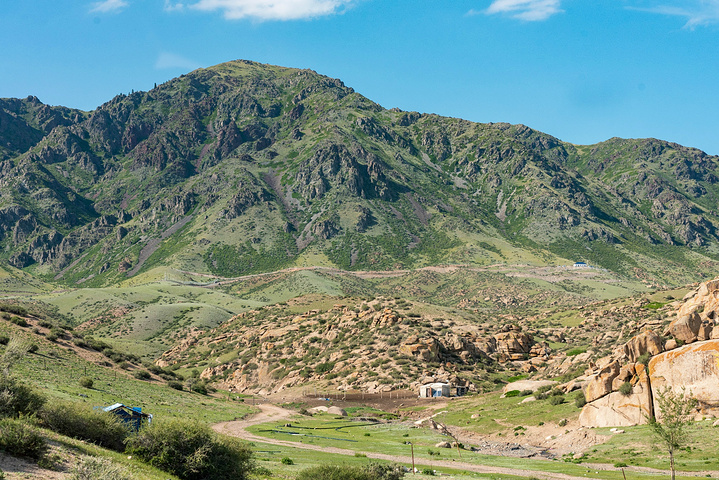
130,416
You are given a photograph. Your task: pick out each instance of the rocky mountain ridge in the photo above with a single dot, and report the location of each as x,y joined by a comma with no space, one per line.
243,167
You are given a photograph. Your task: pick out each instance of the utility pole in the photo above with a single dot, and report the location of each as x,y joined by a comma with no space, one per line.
414,470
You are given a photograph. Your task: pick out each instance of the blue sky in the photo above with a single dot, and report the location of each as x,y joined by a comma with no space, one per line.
581,70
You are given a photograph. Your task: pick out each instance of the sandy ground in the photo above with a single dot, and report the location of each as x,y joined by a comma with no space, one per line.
18,468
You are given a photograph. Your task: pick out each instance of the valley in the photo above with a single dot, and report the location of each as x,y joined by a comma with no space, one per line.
246,243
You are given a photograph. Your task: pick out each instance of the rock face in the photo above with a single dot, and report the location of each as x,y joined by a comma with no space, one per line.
619,410
513,345
693,368
600,384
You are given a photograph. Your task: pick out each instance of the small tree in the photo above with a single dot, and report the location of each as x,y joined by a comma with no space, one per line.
674,420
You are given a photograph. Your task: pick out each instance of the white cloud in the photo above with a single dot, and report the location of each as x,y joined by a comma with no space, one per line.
272,9
172,60
696,12
173,6
107,6
529,10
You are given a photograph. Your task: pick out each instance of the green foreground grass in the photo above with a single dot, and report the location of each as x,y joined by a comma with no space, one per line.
633,448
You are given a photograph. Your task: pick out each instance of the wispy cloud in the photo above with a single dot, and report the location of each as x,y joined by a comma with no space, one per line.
171,6
171,60
108,6
696,12
272,9
528,10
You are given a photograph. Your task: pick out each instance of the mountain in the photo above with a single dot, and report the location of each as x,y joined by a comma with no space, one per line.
243,168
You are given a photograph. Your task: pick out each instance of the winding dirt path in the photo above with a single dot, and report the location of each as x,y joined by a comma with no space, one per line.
272,413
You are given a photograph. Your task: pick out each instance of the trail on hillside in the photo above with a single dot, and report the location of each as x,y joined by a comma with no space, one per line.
272,413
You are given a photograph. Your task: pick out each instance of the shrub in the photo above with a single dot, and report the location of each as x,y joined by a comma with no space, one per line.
512,393
4,340
17,399
86,382
541,396
20,322
644,358
620,465
525,393
556,400
19,438
428,471
80,421
544,389
142,375
199,388
93,468
579,399
563,422
287,461
191,450
175,384
625,388
372,471
32,348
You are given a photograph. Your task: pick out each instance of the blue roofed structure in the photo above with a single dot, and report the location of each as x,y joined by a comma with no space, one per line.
131,416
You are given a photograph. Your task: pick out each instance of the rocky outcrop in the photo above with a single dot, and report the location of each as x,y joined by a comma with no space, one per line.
513,344
619,410
691,369
646,342
426,349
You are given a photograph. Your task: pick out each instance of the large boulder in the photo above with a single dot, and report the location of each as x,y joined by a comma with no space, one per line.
645,342
619,410
513,345
685,327
600,384
691,369
532,385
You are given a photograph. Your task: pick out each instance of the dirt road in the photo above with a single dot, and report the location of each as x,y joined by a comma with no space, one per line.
272,413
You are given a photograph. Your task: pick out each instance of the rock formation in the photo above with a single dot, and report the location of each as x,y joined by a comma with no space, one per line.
691,369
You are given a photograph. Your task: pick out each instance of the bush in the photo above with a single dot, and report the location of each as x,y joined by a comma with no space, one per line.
86,382
556,400
644,358
19,438
80,421
20,322
579,399
625,388
93,468
175,384
287,461
512,393
191,450
199,388
17,399
4,340
372,471
620,465
142,375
